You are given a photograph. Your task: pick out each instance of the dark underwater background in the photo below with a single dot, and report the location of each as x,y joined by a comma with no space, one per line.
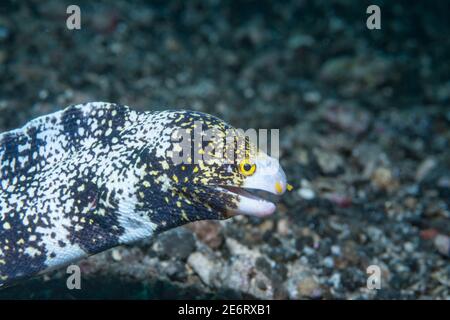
364,124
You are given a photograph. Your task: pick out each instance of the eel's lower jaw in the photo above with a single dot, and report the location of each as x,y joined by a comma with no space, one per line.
248,203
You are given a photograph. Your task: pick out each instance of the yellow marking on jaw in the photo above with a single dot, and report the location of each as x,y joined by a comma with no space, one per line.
289,187
278,187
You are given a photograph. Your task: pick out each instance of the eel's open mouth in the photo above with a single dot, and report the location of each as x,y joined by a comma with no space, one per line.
248,203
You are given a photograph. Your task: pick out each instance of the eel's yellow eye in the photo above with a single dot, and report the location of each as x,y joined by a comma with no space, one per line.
247,168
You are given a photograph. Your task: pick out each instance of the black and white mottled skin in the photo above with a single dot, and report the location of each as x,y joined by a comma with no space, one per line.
97,175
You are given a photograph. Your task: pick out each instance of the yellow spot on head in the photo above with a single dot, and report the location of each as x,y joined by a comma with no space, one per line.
278,187
289,187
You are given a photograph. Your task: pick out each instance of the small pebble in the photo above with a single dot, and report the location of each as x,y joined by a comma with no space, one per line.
116,255
328,262
336,250
308,287
306,194
442,243
382,178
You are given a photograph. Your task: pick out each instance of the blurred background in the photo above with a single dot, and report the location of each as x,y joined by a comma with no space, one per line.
364,130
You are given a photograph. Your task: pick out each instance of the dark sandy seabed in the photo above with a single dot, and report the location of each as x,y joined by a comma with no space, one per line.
364,127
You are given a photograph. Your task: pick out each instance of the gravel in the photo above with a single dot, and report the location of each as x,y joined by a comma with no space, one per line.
364,135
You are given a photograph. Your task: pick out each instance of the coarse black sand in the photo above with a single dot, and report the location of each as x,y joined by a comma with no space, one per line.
364,125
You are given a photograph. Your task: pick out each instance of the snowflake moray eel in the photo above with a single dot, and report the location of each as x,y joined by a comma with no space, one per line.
97,175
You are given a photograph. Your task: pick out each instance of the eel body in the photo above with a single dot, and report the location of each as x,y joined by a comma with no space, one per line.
97,175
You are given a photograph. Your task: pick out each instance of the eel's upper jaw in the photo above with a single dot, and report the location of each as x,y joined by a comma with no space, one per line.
272,181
